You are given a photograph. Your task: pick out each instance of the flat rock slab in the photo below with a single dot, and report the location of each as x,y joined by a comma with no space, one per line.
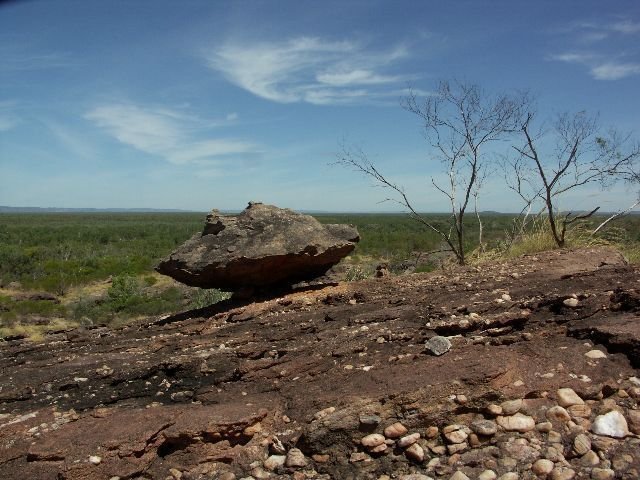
262,246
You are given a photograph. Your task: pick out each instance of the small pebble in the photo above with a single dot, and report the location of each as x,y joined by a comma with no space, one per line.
581,444
459,476
517,423
95,459
372,440
542,467
488,475
511,406
274,461
567,397
595,354
602,474
415,452
484,427
562,473
395,430
558,414
295,458
437,345
408,440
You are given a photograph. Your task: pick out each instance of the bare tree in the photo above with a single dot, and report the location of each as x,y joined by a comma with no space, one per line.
631,174
459,122
581,154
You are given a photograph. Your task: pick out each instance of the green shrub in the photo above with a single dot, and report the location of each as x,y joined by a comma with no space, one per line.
203,297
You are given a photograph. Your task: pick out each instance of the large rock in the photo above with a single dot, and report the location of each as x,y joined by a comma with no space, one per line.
262,246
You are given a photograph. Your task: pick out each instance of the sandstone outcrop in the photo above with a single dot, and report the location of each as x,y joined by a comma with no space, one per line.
334,383
263,246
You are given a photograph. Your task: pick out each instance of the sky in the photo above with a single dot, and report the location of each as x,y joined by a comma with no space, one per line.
198,105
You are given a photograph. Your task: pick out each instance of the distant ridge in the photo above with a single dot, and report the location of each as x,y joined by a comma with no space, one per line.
6,209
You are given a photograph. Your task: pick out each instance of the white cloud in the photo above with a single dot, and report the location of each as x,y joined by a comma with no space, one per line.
165,133
600,67
306,69
626,26
614,71
210,149
609,57
149,130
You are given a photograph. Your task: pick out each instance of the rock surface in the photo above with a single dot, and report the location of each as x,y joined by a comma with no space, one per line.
234,391
262,246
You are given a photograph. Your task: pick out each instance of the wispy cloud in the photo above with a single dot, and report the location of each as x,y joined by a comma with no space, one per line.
8,119
626,26
608,56
17,59
166,133
599,66
308,69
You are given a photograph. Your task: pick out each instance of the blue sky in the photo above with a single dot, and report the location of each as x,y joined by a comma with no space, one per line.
198,104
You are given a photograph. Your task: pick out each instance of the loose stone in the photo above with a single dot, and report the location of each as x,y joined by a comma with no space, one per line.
359,457
488,475
415,452
633,417
612,424
509,476
274,461
590,458
595,354
581,444
379,448
432,432
372,440
554,437
511,406
571,303
544,427
396,430
484,427
602,474
324,413
562,473
95,460
408,440
558,414
567,397
579,411
372,420
542,467
455,434
517,423
459,476
493,409
457,448
437,345
295,458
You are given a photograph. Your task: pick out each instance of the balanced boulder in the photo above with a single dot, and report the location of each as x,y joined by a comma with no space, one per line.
262,246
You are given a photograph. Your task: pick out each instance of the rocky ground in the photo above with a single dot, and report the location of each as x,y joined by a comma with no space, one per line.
518,370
